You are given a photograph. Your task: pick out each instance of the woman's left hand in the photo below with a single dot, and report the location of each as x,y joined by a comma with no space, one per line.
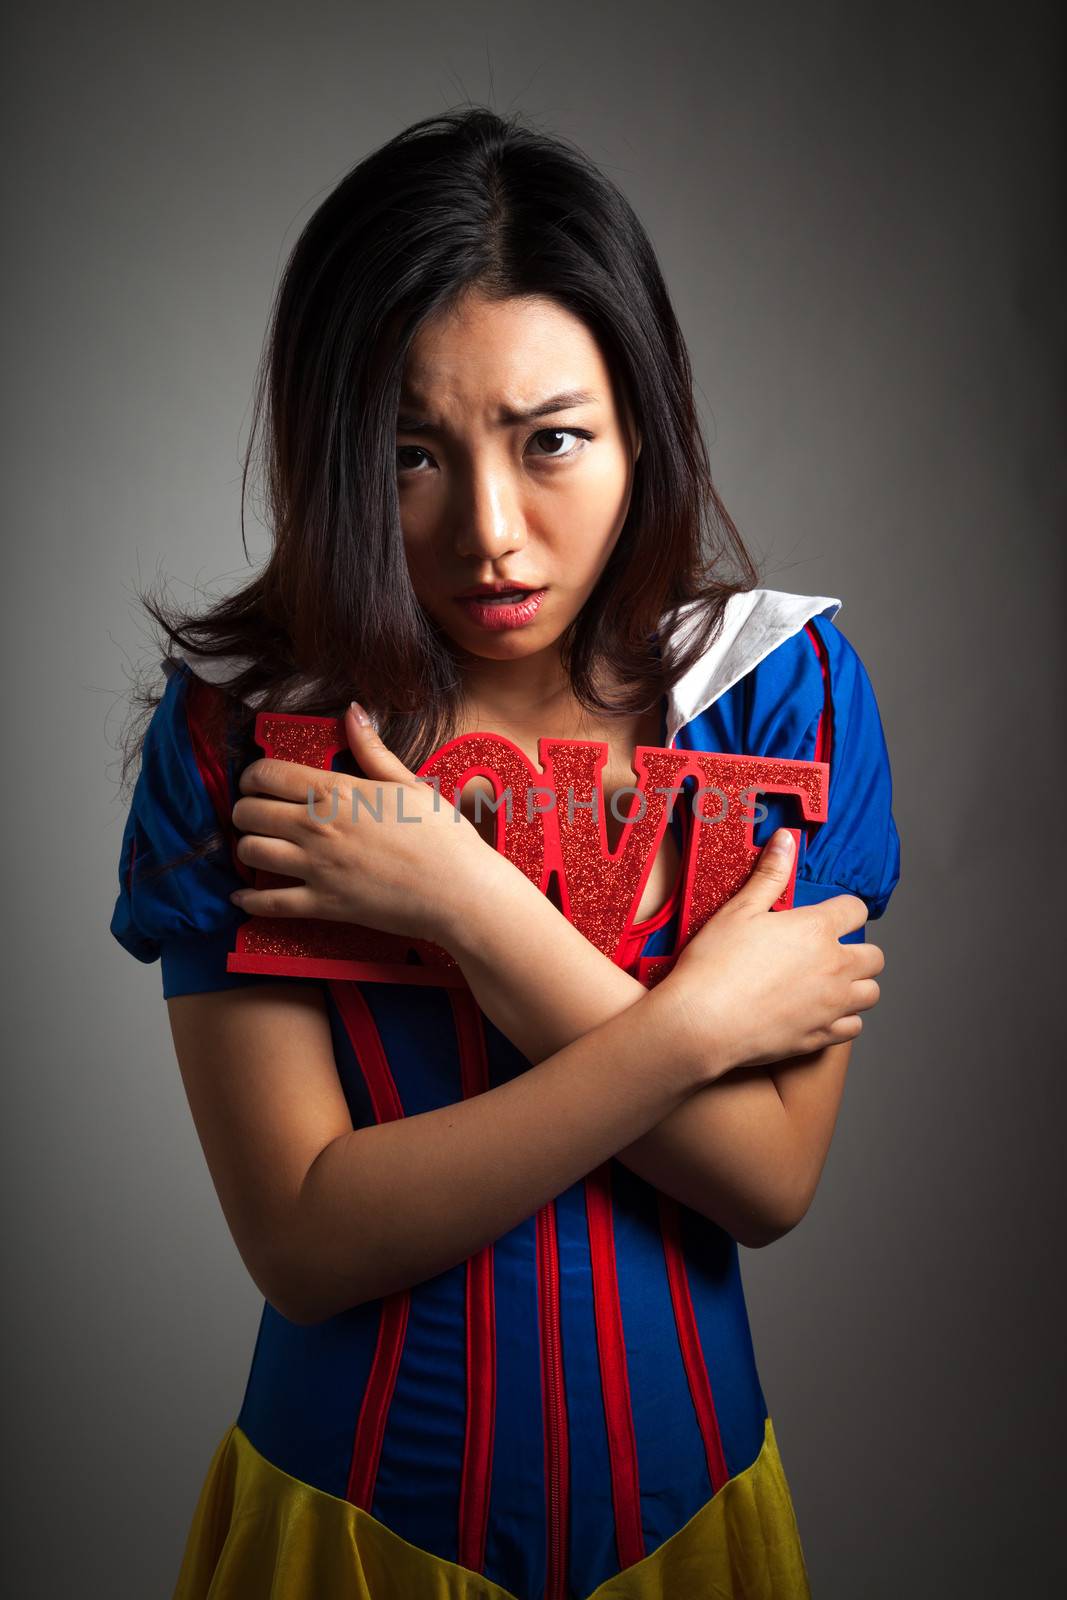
393,860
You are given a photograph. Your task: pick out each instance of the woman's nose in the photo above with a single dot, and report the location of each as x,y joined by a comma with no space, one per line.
488,518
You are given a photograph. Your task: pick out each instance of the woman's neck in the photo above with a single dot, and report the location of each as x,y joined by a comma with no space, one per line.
542,712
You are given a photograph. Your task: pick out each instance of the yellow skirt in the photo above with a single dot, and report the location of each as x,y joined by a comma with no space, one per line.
259,1534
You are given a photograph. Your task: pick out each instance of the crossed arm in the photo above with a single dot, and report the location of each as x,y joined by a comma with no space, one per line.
746,1152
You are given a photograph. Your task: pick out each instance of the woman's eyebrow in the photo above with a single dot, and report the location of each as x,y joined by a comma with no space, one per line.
410,421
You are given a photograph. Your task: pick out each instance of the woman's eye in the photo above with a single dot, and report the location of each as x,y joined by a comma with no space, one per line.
561,433
407,449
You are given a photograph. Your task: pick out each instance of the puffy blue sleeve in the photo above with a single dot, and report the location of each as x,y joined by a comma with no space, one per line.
181,916
813,700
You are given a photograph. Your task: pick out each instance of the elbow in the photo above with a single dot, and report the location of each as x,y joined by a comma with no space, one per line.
299,1272
298,1313
758,1235
306,1290
287,1282
291,1301
284,1294
756,1232
306,1311
295,1300
301,1299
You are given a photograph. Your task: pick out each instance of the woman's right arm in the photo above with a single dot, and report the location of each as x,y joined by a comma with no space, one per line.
323,1215
326,1216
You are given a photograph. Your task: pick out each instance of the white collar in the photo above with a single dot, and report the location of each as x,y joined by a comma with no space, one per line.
755,622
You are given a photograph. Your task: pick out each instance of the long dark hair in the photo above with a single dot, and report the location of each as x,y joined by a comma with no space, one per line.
462,199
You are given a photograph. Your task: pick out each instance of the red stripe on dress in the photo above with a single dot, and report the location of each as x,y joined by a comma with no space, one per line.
696,1371
553,1406
614,1380
381,1383
205,713
481,1323
824,729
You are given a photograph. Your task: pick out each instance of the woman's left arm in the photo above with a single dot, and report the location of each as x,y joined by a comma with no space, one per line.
746,1152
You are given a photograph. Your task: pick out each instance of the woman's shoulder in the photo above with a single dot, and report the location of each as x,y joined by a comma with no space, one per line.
767,639
814,693
177,860
815,666
785,681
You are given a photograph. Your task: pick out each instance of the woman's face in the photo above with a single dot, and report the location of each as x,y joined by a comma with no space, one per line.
513,463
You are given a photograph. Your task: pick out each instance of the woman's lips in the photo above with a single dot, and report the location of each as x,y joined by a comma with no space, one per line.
496,615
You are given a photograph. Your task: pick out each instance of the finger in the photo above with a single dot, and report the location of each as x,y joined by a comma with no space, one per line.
864,994
845,1028
286,780
861,960
769,877
280,819
376,760
297,901
872,959
272,855
844,912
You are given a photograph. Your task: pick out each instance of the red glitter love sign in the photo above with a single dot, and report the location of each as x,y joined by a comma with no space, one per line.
548,820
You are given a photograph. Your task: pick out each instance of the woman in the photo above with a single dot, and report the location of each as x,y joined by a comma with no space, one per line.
504,1348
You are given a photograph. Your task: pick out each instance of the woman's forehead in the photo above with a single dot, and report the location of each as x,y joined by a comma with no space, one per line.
524,350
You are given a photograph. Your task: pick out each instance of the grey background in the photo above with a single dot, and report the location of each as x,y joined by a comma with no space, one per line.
859,213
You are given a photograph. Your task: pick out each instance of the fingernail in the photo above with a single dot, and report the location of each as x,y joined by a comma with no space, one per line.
361,716
782,843
237,896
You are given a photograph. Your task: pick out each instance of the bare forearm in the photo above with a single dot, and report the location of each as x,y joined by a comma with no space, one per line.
388,1206
728,1151
811,1088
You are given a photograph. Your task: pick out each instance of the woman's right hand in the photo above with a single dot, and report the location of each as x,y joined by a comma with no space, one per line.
760,986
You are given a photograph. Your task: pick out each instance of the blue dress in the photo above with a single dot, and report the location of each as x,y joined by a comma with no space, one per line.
576,1410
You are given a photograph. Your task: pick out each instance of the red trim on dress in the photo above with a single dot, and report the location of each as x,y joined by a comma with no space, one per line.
824,728
205,714
553,1406
614,1377
381,1383
481,1323
696,1370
